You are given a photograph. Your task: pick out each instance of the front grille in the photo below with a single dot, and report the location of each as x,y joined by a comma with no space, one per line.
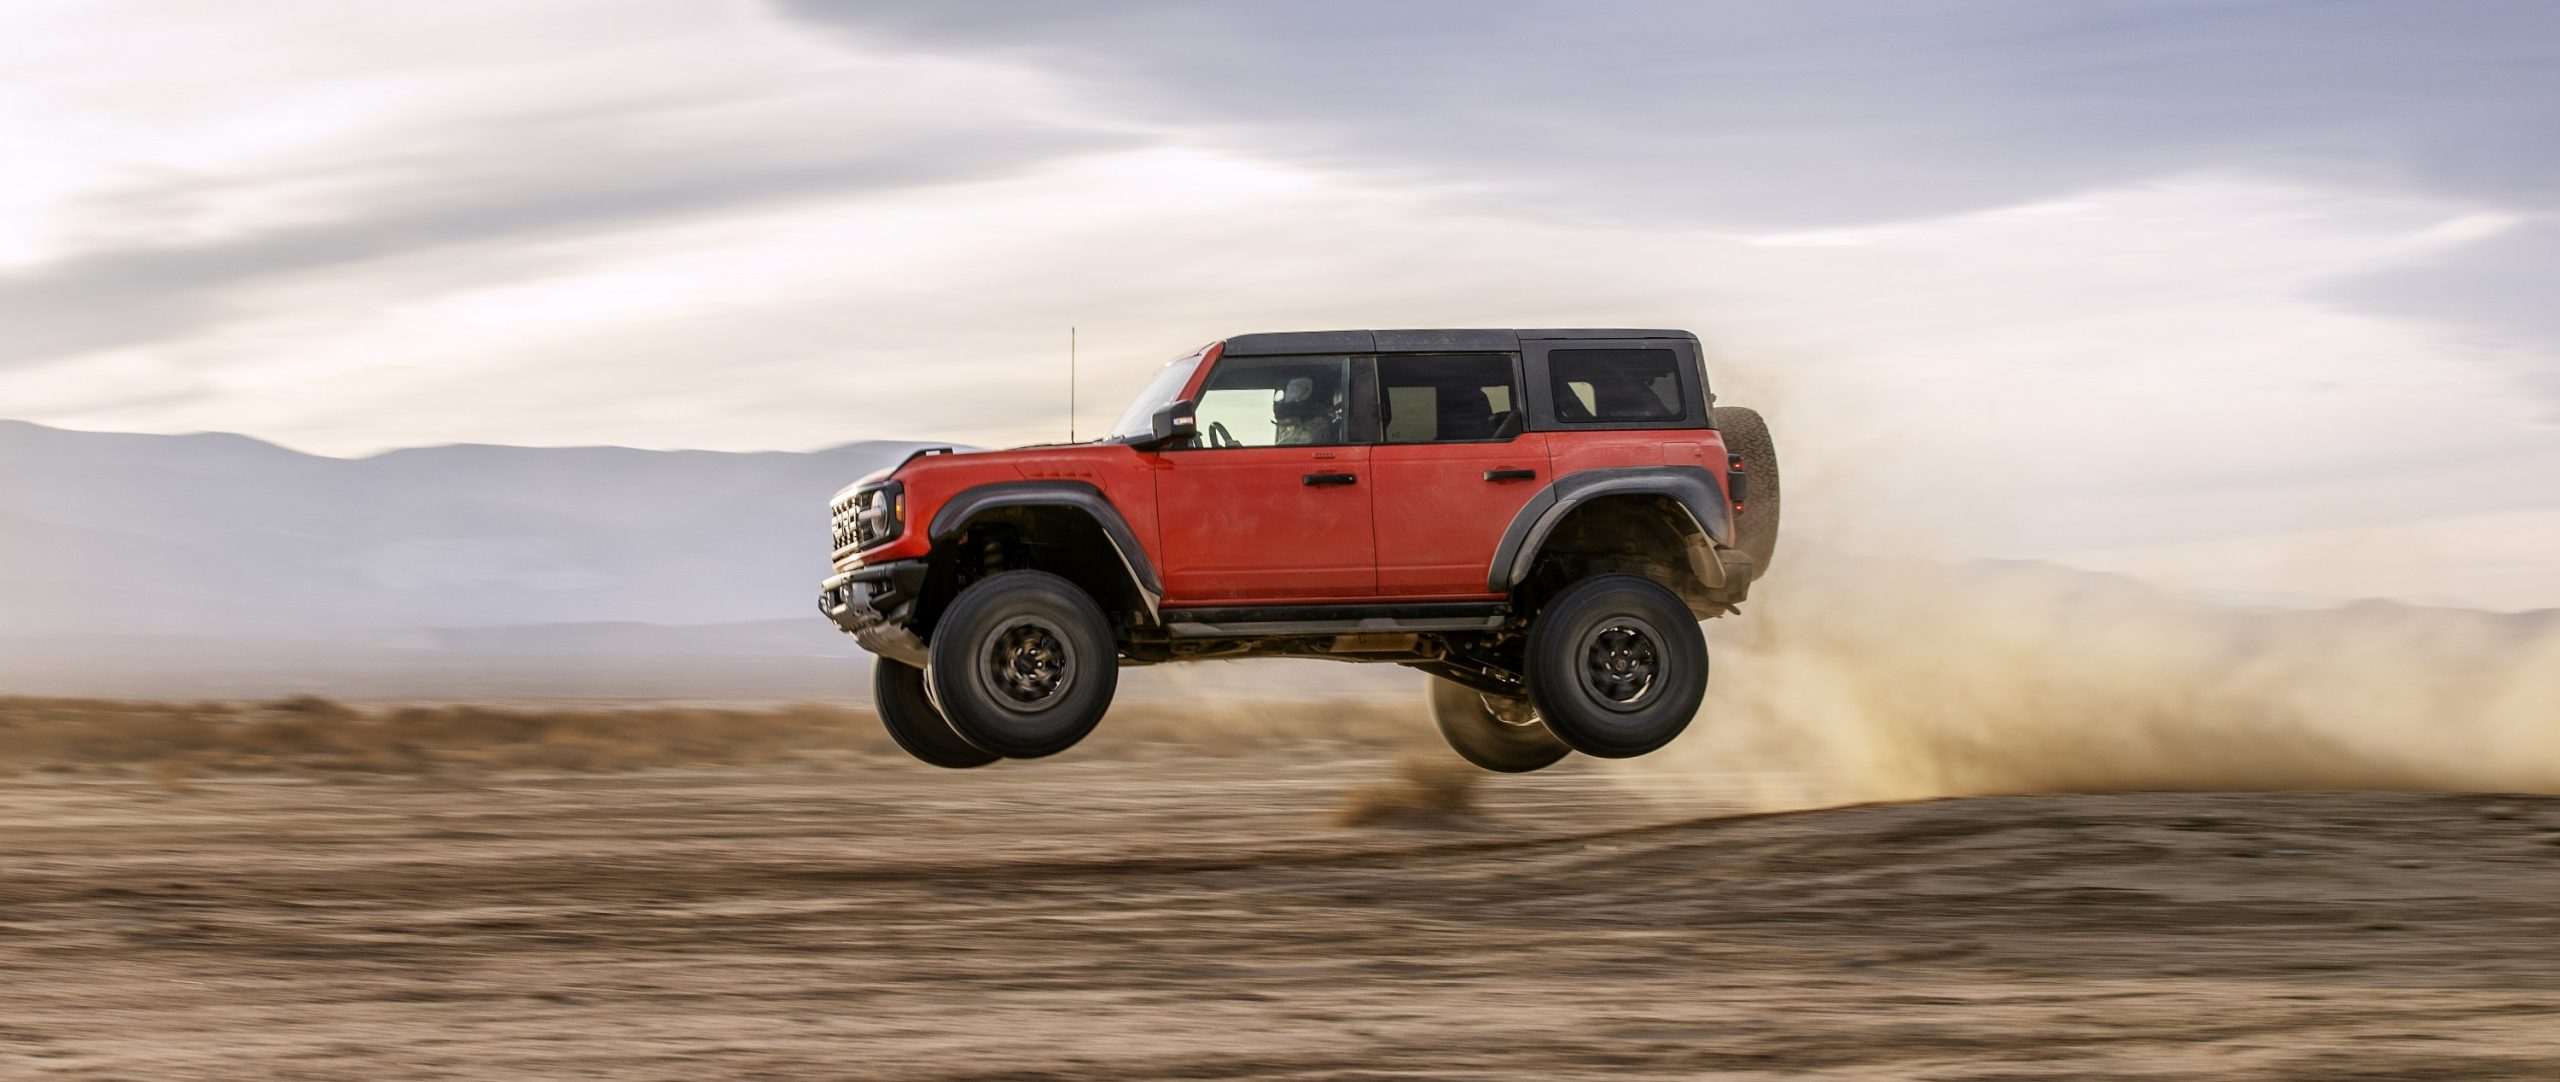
847,526
846,518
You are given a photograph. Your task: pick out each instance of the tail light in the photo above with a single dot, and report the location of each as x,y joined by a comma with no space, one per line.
1737,481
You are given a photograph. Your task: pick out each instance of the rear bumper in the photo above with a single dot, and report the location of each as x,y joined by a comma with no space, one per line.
876,605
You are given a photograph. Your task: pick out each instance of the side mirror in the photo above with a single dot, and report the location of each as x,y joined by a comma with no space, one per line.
1174,424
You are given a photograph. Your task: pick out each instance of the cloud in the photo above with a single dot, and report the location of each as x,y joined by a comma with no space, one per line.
152,209
2066,268
1822,119
2496,290
521,193
1821,113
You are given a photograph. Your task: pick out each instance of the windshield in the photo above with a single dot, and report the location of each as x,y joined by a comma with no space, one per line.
1138,421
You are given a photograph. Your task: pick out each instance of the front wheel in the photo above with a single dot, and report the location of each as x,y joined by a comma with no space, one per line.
897,692
1616,666
1482,737
1023,664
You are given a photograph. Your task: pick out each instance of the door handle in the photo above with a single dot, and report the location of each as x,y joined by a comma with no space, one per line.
1510,475
1330,478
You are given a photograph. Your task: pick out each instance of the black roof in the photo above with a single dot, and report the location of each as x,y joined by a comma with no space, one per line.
1421,341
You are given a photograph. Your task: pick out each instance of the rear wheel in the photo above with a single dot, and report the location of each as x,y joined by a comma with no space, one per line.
897,692
1023,664
1755,526
1480,736
1616,666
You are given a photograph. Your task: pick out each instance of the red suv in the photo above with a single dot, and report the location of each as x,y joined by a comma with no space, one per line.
1538,519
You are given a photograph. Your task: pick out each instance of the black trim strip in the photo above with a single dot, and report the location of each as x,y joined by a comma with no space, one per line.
884,475
958,510
1366,425
1268,620
1691,486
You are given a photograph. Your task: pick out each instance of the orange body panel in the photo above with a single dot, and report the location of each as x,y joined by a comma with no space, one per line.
1231,526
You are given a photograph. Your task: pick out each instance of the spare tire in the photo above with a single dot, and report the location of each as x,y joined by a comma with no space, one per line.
1755,526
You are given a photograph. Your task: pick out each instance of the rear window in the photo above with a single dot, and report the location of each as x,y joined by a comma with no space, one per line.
1603,386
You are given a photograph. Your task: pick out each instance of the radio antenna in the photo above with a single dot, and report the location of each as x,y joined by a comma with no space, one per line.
1071,385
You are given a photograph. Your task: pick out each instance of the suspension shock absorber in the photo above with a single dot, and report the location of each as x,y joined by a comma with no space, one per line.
991,550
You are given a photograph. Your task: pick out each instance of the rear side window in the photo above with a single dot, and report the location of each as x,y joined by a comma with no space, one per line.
1446,398
1605,386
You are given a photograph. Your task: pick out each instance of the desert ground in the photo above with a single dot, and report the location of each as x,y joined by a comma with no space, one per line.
798,903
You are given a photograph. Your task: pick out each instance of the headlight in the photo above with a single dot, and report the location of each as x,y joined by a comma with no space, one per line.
879,514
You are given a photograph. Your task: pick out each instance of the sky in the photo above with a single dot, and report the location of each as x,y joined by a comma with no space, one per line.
2250,298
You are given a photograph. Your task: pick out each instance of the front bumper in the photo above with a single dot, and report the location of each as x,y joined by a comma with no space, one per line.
876,605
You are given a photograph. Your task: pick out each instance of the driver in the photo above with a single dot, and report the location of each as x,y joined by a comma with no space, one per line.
1300,416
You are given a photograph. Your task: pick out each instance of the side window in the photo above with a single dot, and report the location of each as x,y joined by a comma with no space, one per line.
1615,385
1446,398
1275,402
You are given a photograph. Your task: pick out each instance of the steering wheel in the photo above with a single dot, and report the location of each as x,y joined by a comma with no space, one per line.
1220,437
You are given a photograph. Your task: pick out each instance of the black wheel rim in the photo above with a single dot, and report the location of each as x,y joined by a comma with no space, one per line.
1028,665
1622,664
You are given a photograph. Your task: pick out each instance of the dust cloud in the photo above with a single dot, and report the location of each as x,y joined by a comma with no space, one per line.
1849,680
1431,791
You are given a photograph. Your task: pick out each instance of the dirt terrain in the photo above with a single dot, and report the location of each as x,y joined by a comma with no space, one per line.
1155,916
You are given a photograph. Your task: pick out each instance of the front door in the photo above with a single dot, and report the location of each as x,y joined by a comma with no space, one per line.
1452,469
1273,505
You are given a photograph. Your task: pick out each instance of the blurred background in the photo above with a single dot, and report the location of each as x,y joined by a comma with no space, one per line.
366,349
417,423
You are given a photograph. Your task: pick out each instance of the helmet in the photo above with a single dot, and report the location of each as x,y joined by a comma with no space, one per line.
1297,401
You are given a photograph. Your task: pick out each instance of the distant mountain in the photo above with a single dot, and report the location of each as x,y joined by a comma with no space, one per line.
221,566
114,534
224,567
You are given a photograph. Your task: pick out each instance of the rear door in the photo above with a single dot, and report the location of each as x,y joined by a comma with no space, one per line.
1273,505
1453,466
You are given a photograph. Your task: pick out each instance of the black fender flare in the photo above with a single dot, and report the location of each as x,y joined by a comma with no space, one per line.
956,513
1691,487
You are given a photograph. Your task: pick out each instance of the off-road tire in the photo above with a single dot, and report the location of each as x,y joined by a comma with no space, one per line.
1616,666
1023,664
1755,527
897,693
1479,737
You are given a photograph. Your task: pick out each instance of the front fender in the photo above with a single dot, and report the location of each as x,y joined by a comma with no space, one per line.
955,513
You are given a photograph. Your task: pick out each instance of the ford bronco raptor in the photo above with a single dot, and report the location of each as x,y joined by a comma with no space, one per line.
1538,519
